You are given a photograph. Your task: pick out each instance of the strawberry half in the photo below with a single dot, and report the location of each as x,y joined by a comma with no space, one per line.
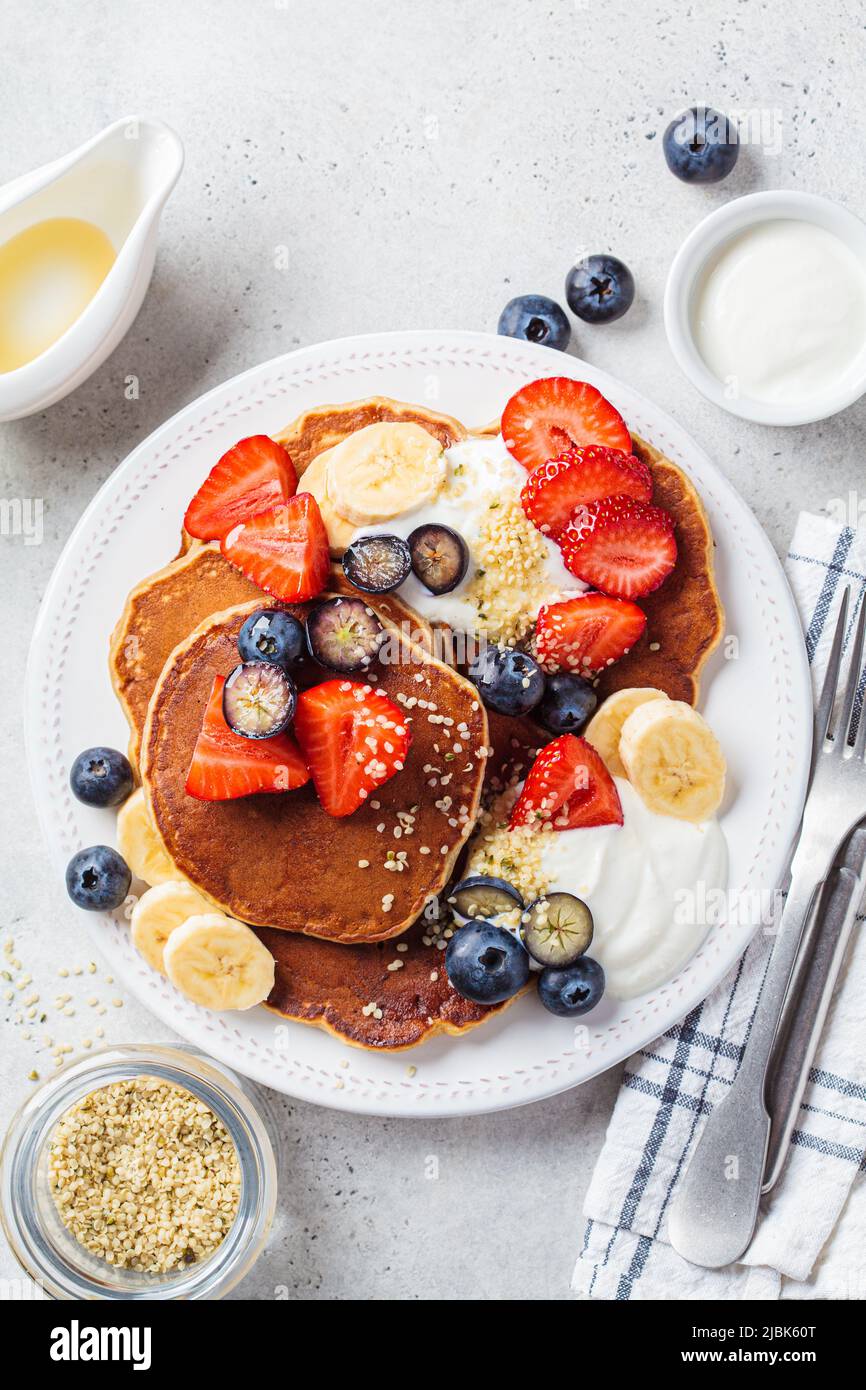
554,489
586,633
284,551
353,740
620,546
568,787
225,765
253,476
553,414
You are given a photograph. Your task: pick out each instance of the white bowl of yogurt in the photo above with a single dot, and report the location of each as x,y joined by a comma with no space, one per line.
765,307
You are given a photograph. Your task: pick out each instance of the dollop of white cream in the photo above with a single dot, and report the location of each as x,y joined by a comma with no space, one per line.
646,883
780,312
480,472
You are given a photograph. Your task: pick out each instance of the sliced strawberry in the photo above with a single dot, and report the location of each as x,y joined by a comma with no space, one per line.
554,489
253,476
568,787
553,414
353,740
284,551
586,633
620,546
225,765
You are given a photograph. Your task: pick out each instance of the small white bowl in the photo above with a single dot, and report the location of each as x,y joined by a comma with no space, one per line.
685,275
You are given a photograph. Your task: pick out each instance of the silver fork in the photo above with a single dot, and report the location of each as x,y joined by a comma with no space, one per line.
713,1216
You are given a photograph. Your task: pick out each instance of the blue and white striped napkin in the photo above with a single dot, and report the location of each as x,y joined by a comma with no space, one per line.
810,1244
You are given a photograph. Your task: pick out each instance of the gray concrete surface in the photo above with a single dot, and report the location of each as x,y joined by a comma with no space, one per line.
422,163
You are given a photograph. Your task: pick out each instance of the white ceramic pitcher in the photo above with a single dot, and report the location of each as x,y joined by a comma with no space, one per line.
119,181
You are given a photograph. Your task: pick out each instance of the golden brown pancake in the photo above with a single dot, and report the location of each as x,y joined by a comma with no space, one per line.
326,425
162,610
685,618
280,860
320,429
331,985
328,983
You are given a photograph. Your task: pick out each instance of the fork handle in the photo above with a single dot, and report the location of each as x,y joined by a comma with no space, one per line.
713,1215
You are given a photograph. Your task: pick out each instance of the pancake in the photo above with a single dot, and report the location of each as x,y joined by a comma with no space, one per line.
280,860
330,985
320,429
163,609
685,618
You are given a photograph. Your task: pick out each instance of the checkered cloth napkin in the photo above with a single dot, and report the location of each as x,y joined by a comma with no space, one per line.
810,1244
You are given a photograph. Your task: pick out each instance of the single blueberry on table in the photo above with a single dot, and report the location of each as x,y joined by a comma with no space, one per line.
599,289
536,319
701,145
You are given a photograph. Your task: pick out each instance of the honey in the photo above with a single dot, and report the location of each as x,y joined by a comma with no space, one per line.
49,273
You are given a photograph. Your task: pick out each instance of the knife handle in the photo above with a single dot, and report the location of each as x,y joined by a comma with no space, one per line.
829,934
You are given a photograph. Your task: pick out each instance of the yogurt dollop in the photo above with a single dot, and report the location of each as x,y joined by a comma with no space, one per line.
513,568
644,882
780,312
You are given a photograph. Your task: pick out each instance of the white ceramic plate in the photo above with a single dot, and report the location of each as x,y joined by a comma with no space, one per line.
756,696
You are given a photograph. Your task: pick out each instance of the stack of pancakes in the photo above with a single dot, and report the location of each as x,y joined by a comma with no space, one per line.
317,890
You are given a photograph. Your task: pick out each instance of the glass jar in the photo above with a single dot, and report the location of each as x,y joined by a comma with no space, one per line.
53,1257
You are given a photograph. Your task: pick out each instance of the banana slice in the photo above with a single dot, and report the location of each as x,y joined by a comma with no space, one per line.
673,760
139,842
219,963
314,480
384,470
604,729
158,913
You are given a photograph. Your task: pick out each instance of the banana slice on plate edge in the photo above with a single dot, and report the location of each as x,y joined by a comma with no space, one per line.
604,729
219,963
673,760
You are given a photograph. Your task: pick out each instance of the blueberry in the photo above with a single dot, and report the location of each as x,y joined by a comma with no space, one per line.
259,699
344,634
377,564
572,991
536,319
101,777
272,635
599,289
482,896
556,929
440,557
568,704
98,878
486,963
701,145
508,681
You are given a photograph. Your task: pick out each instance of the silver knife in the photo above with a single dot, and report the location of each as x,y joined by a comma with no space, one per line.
829,935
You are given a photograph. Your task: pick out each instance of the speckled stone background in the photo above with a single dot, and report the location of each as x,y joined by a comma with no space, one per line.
423,163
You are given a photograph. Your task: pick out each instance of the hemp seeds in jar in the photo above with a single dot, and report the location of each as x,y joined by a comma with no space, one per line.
145,1175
